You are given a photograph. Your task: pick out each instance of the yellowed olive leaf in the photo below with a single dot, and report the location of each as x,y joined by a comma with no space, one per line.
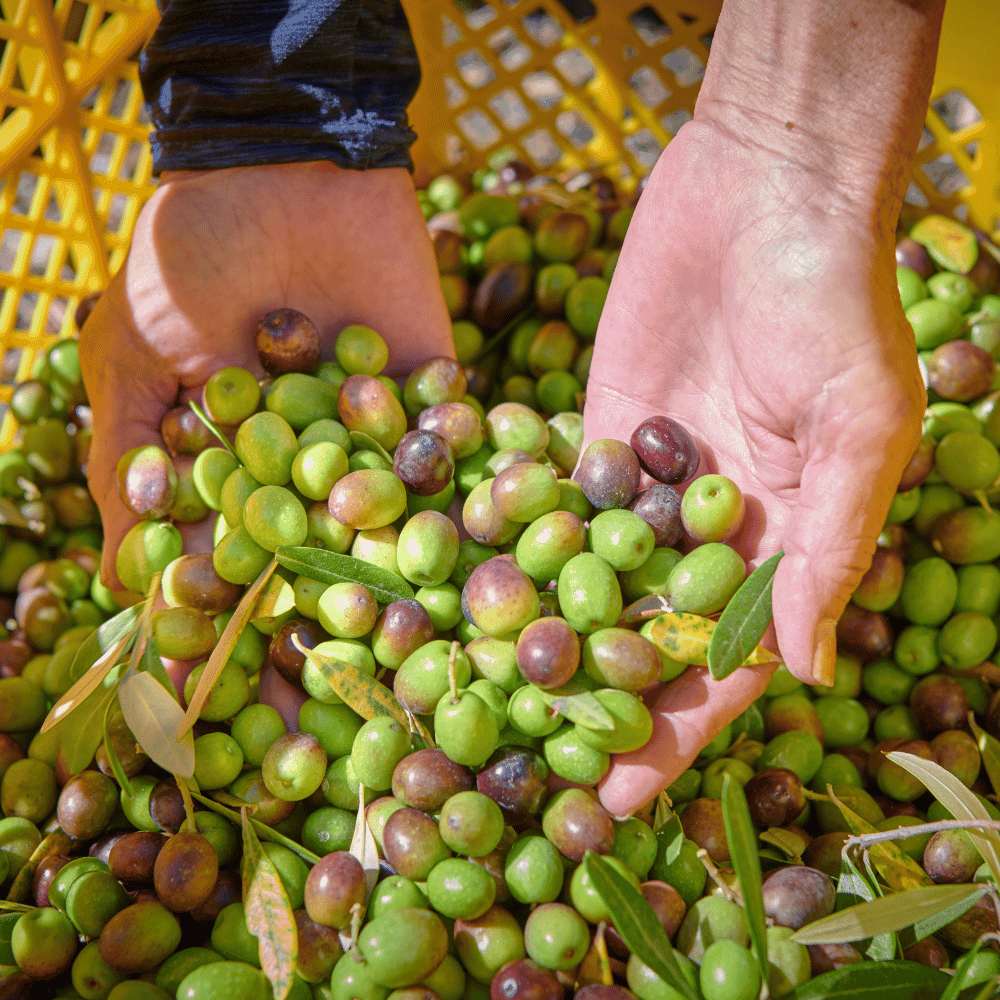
685,638
224,649
155,719
595,969
363,846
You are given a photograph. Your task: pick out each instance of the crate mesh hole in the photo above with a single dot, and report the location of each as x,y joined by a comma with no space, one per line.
541,147
945,174
648,87
25,193
956,110
455,94
474,69
52,211
74,22
575,66
478,15
543,88
649,26
543,27
579,10
686,18
673,122
57,314
9,246
25,311
926,138
510,109
961,211
90,99
453,149
119,205
510,50
687,68
643,146
11,363
101,159
914,196
120,99
576,128
972,150
41,251
451,33
706,40
478,129
131,160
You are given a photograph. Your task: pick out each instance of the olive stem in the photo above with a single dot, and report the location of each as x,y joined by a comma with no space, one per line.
815,796
732,894
983,502
356,917
865,840
189,824
452,680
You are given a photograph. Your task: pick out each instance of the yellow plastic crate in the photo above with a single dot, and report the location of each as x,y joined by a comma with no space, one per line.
565,84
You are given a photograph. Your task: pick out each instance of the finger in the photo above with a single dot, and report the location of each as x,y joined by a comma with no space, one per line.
828,543
687,713
128,396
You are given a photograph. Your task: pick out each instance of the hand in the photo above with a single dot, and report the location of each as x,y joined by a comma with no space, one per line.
757,305
215,251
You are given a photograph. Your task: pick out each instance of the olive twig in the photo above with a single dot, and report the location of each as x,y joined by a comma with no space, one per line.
731,893
189,824
866,840
452,680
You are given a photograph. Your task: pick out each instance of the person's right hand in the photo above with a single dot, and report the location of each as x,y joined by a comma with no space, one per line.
212,253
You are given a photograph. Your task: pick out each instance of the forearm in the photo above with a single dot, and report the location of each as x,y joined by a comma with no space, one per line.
838,86
246,82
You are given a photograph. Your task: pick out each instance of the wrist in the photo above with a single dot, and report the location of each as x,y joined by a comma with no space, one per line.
837,90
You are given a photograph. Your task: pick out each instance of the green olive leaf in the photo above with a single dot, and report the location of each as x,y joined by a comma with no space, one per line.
54,843
742,840
262,831
276,599
891,980
989,750
788,843
363,846
744,621
156,721
109,748
957,799
209,423
9,514
81,735
98,653
333,567
152,664
508,327
889,913
365,442
269,914
577,704
897,869
636,922
224,649
367,696
961,971
671,834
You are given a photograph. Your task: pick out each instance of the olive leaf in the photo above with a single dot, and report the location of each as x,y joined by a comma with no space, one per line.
788,843
367,696
508,327
742,840
577,704
269,914
685,638
262,831
365,442
891,980
333,567
961,969
224,649
989,750
672,835
152,664
109,748
645,607
276,599
957,799
54,843
210,424
9,514
156,721
635,921
889,913
595,969
97,654
743,622
363,846
897,869
80,736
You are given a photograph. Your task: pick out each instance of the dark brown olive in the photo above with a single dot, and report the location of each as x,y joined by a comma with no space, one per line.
702,822
939,703
287,660
228,889
960,371
86,804
166,806
185,871
133,856
287,341
504,291
775,796
44,876
864,634
920,465
914,255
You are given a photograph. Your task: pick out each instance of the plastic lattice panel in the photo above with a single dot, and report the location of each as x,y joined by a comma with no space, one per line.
566,85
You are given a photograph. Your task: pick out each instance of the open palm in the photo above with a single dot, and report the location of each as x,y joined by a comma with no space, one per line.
756,307
215,251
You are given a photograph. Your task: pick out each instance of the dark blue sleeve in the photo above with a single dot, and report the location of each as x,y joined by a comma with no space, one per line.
242,82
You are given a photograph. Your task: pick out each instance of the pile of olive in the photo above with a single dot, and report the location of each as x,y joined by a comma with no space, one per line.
481,839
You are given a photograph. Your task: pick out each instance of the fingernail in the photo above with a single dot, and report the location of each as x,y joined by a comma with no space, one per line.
825,657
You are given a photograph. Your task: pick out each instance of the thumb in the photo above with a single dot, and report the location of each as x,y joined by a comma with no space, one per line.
828,542
129,393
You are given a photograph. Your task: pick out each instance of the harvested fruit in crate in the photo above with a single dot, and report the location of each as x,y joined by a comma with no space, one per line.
365,762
